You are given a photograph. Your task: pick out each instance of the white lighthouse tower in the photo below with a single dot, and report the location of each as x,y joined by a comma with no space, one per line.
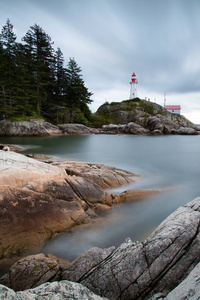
133,89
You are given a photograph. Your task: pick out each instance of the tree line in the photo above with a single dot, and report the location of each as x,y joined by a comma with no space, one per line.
34,81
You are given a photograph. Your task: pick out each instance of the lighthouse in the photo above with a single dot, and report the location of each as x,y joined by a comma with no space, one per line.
133,89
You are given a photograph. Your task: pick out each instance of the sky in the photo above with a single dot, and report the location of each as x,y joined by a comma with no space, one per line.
159,40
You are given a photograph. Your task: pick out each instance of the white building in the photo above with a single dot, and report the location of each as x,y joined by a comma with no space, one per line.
133,89
175,109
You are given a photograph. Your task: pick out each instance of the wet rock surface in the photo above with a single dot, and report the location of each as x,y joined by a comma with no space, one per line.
136,270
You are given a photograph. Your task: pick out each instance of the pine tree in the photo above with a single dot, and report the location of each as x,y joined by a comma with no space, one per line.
7,68
58,105
39,47
76,94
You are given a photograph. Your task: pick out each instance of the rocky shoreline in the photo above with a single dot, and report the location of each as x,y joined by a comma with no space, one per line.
164,266
155,125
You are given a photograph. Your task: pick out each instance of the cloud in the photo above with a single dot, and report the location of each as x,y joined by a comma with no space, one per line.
110,39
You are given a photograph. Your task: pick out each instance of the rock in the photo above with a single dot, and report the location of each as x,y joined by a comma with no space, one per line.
85,262
135,270
133,128
185,131
12,147
188,288
129,128
136,194
39,200
150,116
138,270
57,290
104,176
30,272
28,128
76,129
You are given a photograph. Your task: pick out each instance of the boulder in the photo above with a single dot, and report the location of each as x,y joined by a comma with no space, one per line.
30,272
133,128
76,129
34,270
40,200
185,131
138,270
129,128
57,290
188,288
28,128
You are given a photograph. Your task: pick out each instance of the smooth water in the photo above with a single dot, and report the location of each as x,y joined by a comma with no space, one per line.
164,161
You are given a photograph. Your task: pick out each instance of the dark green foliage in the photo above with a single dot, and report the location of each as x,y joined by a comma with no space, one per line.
98,120
77,95
34,81
148,108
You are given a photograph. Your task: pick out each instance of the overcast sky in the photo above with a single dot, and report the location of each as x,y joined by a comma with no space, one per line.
159,40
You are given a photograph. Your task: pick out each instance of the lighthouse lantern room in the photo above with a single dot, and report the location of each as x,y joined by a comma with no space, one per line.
133,89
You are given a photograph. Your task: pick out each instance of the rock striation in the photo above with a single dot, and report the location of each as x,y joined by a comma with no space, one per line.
135,270
188,288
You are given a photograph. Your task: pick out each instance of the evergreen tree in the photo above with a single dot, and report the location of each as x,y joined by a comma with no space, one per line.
33,79
39,47
77,94
58,105
7,68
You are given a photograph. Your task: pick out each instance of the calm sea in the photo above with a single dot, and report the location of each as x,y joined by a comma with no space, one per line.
164,161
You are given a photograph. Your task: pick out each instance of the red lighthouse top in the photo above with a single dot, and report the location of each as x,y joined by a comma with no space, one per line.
133,79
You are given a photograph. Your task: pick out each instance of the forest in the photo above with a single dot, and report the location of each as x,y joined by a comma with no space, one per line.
35,83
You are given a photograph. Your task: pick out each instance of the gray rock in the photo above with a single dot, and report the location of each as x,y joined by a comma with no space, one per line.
188,288
159,264
185,131
30,271
50,291
76,129
129,128
80,266
28,128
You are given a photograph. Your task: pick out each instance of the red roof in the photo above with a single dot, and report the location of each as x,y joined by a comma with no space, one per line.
133,74
172,106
